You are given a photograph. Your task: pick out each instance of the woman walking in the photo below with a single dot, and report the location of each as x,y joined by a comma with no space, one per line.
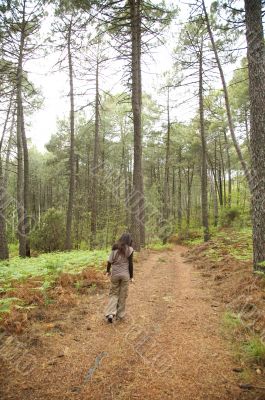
120,264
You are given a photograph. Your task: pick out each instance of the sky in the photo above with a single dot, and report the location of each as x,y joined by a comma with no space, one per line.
54,85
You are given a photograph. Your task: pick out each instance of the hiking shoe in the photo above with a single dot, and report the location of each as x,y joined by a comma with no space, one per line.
110,318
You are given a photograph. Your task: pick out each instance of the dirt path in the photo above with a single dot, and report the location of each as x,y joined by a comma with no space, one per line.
170,347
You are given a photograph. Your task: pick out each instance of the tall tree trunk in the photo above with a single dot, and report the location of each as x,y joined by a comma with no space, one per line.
179,190
247,128
125,177
215,173
8,151
222,170
204,194
173,193
137,195
69,216
166,200
189,186
4,253
20,156
229,170
26,185
237,189
256,68
20,183
78,222
215,200
226,97
87,180
94,198
220,184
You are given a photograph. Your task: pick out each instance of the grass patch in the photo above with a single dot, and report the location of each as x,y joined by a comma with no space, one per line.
213,254
159,246
255,350
193,242
192,237
231,321
247,346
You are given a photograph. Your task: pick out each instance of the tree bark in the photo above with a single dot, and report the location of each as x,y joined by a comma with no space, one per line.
256,68
69,216
247,129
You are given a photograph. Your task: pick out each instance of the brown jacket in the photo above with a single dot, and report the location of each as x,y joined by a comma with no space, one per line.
120,264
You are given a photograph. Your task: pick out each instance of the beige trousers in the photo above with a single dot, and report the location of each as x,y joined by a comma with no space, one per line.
117,297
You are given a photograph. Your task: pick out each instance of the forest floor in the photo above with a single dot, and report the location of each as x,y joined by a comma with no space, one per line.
170,346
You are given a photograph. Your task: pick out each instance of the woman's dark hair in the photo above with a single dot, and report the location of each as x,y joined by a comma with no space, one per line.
124,241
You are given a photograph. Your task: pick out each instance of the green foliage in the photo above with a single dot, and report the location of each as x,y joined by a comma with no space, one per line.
231,321
255,350
50,234
13,250
229,216
261,267
237,243
47,267
193,237
252,348
239,92
6,304
50,265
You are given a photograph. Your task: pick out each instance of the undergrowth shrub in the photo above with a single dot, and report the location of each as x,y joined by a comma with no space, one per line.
49,235
229,216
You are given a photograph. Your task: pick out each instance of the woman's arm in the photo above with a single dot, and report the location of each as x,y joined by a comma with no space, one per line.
110,261
131,266
108,267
